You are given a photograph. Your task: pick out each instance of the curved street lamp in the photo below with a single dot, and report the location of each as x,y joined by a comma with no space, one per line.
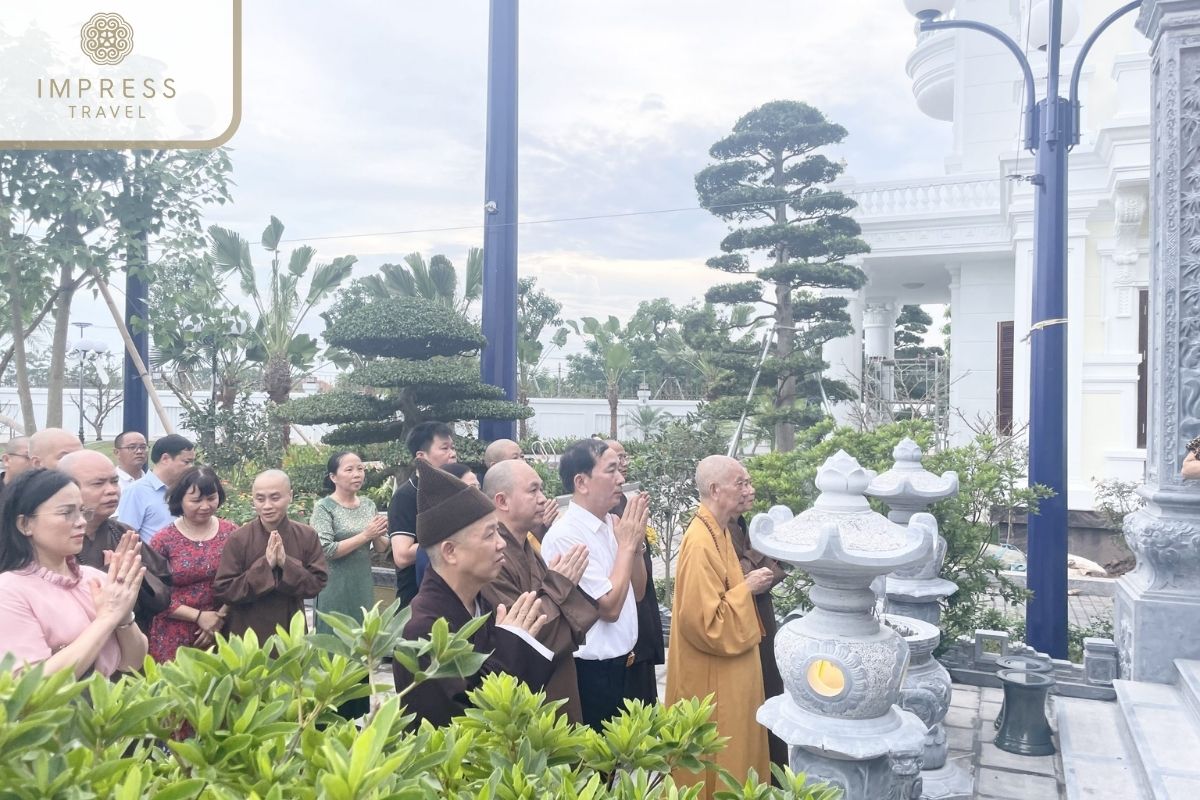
1051,130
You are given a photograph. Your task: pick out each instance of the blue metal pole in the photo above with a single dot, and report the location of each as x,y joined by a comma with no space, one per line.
1046,612
135,403
498,365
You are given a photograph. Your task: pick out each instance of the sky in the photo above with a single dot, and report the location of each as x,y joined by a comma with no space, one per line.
368,120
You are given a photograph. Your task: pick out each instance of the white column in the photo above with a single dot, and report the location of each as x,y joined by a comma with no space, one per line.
957,363
879,342
1079,487
844,355
879,328
1022,319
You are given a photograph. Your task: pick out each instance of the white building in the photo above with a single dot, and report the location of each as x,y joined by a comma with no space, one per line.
965,237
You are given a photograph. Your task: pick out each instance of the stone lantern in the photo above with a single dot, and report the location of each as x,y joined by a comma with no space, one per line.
908,488
843,671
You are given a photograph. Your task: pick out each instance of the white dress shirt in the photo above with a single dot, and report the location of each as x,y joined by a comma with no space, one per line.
579,526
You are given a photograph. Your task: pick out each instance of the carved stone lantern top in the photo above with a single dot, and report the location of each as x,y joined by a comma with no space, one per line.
908,487
840,528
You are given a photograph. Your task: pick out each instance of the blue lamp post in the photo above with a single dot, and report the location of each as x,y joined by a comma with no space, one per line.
1051,130
498,365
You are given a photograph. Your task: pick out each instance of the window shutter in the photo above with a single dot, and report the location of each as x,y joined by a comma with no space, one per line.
1004,378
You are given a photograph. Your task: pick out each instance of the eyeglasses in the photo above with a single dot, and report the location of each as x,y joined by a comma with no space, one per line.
137,448
69,513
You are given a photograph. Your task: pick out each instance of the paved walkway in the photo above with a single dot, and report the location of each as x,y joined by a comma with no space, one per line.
1083,610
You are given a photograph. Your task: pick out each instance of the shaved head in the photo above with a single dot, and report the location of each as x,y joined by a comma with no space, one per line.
48,446
272,478
517,491
18,445
505,475
74,464
499,451
715,471
616,446
271,495
99,488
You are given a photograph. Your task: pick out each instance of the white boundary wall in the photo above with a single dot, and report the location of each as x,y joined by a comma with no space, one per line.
554,417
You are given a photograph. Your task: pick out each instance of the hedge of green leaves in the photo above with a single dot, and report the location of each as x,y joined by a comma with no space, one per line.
336,407
403,327
439,372
481,409
261,723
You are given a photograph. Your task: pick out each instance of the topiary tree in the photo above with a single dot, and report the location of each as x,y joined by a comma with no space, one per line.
411,360
793,242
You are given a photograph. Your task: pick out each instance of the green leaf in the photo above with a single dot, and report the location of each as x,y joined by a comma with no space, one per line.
272,234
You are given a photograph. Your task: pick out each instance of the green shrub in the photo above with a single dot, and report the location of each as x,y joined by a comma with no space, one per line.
261,724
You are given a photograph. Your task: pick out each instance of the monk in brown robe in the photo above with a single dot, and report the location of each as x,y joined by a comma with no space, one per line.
516,489
752,561
270,566
100,492
715,630
457,527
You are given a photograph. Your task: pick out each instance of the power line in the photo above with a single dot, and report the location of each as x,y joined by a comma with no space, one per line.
585,218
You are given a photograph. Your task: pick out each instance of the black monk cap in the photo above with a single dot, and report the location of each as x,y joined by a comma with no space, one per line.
445,505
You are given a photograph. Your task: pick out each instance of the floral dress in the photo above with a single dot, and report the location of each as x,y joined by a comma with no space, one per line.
193,567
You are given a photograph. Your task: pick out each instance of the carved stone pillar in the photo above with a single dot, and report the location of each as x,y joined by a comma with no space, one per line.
1158,604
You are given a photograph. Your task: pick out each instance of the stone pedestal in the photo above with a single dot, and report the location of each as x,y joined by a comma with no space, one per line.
926,693
1157,611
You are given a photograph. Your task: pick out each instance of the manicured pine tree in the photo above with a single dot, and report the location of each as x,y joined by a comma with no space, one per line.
794,236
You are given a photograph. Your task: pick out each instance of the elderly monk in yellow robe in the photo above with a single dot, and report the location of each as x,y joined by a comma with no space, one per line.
715,629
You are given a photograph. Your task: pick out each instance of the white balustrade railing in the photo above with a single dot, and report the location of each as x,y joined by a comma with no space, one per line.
926,197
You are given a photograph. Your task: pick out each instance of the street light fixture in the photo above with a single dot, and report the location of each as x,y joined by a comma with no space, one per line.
85,348
1052,128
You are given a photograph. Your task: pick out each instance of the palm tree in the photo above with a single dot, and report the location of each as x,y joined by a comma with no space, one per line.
436,280
614,355
285,353
648,421
680,355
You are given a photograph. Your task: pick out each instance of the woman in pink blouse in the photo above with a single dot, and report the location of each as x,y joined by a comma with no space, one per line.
192,545
52,610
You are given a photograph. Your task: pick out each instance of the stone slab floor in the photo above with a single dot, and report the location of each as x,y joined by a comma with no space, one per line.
970,731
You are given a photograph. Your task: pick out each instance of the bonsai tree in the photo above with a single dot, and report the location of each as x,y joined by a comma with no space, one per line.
411,360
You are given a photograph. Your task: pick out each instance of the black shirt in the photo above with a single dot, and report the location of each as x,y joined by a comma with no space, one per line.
402,521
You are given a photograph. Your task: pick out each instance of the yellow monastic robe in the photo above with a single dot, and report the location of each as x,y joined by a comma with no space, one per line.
713,649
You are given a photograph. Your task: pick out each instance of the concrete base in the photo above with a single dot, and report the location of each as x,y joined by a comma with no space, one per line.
951,782
865,758
1153,628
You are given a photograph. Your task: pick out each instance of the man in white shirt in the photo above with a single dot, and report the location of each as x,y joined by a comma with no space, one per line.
131,451
615,576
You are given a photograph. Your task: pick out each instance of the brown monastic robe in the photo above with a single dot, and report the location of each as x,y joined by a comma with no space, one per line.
569,613
155,594
751,560
714,649
260,596
440,700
